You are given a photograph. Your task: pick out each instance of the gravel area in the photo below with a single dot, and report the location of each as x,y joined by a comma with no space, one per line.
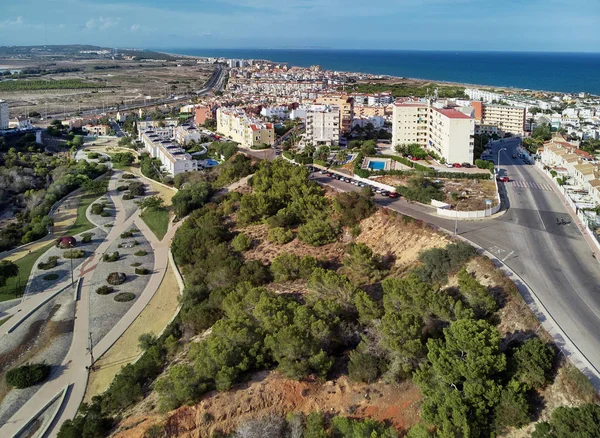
98,220
105,312
43,337
37,283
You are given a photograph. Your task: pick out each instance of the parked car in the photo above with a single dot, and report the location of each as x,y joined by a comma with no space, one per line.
503,179
456,165
378,191
449,165
467,165
514,156
384,193
393,195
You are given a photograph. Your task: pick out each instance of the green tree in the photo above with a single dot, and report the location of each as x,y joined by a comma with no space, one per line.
531,363
318,232
460,383
476,294
353,207
361,265
8,269
566,422
241,242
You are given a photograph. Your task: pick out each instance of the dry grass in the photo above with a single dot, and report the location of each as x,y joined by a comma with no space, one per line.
153,319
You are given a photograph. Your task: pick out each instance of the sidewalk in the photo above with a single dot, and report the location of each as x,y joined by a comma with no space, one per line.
582,227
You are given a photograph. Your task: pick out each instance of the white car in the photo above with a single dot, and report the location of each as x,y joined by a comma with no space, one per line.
449,165
378,191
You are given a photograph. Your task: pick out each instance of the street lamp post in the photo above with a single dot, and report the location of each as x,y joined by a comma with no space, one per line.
456,218
499,150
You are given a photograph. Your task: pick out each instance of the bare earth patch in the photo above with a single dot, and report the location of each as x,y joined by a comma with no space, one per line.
270,393
387,234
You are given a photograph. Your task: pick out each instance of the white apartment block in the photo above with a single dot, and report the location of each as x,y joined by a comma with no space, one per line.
243,129
323,125
483,95
164,128
174,160
186,133
281,112
4,114
506,118
446,131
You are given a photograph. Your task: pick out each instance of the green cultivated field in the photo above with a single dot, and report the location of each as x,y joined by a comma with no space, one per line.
62,84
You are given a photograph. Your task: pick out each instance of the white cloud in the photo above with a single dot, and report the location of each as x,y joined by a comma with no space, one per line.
102,23
134,28
10,23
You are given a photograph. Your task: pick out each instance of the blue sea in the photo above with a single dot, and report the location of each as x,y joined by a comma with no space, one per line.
564,72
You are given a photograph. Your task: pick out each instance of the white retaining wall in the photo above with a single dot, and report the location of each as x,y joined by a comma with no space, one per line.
477,214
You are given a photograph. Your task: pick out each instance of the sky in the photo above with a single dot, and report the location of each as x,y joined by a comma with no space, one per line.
508,25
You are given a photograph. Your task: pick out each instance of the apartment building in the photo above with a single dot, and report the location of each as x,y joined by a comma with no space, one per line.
96,130
482,95
186,133
345,103
323,125
507,118
446,131
174,160
4,114
243,129
164,128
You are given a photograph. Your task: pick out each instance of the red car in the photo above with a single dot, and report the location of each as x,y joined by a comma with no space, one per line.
393,195
456,165
503,179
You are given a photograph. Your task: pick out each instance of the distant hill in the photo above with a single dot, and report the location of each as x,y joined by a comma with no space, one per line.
75,51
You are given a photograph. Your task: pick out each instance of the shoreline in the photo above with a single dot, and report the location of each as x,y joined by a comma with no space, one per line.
495,88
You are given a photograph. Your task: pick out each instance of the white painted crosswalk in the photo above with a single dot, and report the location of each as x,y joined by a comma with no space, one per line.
530,185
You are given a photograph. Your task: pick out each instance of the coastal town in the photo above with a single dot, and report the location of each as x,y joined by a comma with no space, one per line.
177,216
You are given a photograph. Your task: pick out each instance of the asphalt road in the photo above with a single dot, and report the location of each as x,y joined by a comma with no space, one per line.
554,260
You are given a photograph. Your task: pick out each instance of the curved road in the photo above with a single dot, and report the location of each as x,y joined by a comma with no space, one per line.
554,260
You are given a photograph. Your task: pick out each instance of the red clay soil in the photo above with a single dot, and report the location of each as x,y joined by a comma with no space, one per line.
271,393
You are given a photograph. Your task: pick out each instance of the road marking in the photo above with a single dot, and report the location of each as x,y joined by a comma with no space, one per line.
530,185
509,254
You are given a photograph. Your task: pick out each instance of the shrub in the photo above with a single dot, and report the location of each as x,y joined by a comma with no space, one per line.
111,258
135,265
122,188
74,254
87,237
128,176
140,253
485,164
352,207
104,290
363,367
105,214
137,188
49,264
280,235
142,271
93,155
123,297
241,242
128,196
28,375
97,208
116,278
318,232
50,277
287,267
126,234
422,190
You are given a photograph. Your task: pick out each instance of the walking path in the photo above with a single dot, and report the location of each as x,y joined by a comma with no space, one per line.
74,369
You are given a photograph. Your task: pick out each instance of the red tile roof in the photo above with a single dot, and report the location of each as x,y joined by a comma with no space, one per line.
452,113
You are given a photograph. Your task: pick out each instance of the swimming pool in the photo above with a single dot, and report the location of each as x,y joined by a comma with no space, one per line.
377,165
211,163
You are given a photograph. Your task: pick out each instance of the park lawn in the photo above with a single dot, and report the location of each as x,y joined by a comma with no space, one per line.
82,223
157,220
15,287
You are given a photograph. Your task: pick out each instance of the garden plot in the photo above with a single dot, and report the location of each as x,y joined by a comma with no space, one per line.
41,280
130,199
101,212
43,337
134,253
